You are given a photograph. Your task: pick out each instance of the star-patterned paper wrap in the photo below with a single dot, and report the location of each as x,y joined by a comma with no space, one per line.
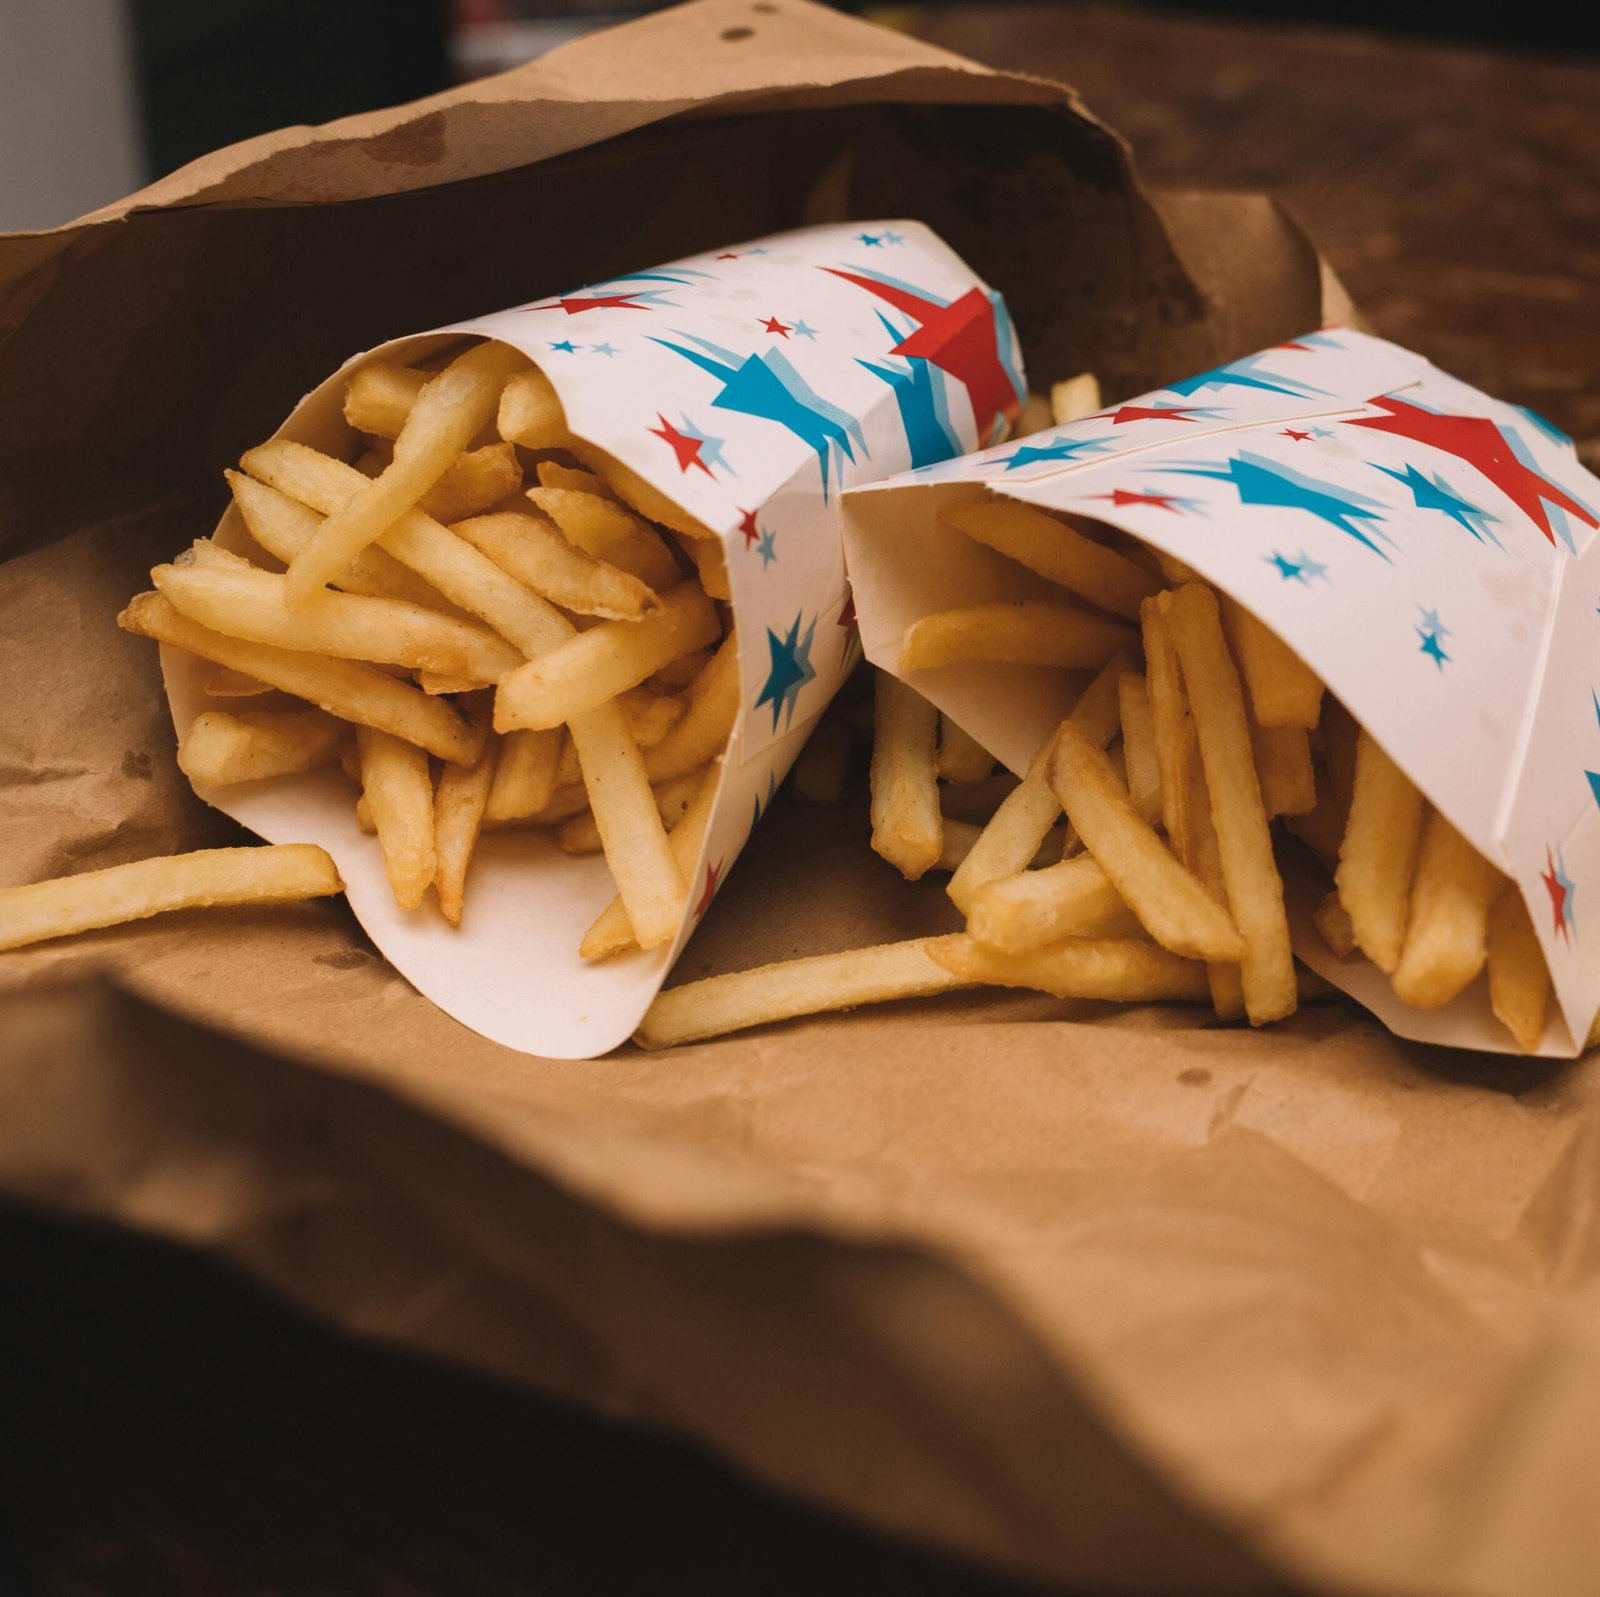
751,386
1428,550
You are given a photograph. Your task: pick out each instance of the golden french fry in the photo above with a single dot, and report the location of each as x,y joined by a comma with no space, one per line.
1333,923
1378,854
823,764
1075,398
623,483
609,658
1176,571
1519,979
707,724
1204,858
344,688
379,397
1172,905
796,987
1283,767
121,893
241,601
1447,931
906,824
960,837
1139,746
219,748
525,776
226,684
963,760
458,806
1058,552
1119,970
681,672
450,410
364,816
610,532
477,479
1172,725
1244,840
648,716
711,563
1284,690
1025,632
398,788
435,685
1032,417
1015,913
580,835
530,549
551,474
1019,826
530,412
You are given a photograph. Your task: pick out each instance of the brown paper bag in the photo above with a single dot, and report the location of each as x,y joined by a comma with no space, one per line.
1119,1298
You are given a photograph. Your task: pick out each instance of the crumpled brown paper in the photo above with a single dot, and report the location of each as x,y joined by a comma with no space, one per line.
1121,1298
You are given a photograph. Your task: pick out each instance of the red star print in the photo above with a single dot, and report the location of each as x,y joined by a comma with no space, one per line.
773,325
709,892
1481,444
1126,413
1299,438
596,302
1558,895
747,525
685,448
1121,496
1305,349
731,255
847,616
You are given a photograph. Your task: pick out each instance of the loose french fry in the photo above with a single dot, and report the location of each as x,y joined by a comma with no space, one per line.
1333,923
398,788
121,893
1378,854
530,413
1244,840
580,835
379,397
1284,690
1283,767
608,531
963,760
450,410
1172,725
241,601
1075,398
458,806
1119,970
530,549
1447,932
609,658
1027,632
226,684
219,748
1139,746
1172,905
1015,913
477,479
1519,979
1025,816
796,987
525,776
823,764
1058,552
906,824
707,724
344,688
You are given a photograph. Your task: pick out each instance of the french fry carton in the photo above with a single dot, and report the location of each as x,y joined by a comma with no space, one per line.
749,386
1429,551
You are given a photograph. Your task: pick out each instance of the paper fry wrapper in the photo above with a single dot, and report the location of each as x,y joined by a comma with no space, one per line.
1429,551
749,386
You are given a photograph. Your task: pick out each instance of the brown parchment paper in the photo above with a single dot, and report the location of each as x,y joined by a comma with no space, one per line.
1119,1298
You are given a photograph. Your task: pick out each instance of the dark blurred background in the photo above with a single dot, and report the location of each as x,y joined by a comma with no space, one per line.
98,97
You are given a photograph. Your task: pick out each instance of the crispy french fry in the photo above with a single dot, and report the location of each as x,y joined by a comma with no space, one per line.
610,532
1284,690
1058,552
963,760
1172,725
906,824
1519,979
379,397
477,479
1333,923
1139,746
1026,632
1015,913
707,724
1447,931
219,748
458,805
796,987
530,413
648,716
450,410
823,764
1283,767
226,684
121,893
398,788
1119,970
1378,854
551,474
344,688
580,835
1075,398
1244,840
530,549
525,776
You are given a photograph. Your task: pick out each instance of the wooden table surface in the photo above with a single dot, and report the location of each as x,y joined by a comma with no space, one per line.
168,1431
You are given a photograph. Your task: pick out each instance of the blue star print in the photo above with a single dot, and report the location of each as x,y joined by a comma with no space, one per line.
791,669
766,550
566,346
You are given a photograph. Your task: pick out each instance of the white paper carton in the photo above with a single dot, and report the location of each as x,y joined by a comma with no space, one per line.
1428,550
751,386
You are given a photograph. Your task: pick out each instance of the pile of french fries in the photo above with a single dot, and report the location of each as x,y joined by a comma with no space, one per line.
1137,858
481,620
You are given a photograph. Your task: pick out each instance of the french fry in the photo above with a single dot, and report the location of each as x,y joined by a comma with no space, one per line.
1016,913
379,397
226,684
1204,858
458,807
218,748
1519,979
580,835
906,824
1172,905
450,410
1139,746
960,837
707,724
530,412
122,893
398,788
1283,767
963,760
610,532
344,688
1378,854
1284,690
1075,398
525,775
530,549
477,479
721,1004
552,474
1118,970
681,672
1172,726
609,658
1058,552
711,563
1033,417
1333,923
1244,841
1447,931
435,685
242,601
625,484
1025,632
648,716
